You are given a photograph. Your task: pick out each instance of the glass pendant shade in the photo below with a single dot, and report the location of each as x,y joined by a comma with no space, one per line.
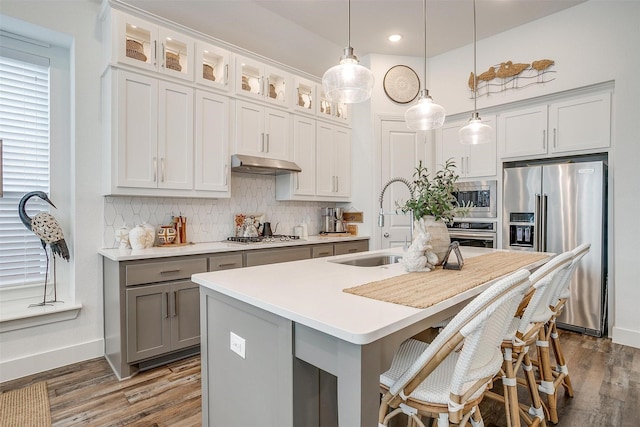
475,132
348,82
425,115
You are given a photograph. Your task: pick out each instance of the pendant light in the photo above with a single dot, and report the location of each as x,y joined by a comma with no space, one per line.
475,132
348,82
426,114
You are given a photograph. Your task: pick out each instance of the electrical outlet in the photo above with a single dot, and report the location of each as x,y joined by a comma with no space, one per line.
237,344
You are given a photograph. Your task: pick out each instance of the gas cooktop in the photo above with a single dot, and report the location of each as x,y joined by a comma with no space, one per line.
263,239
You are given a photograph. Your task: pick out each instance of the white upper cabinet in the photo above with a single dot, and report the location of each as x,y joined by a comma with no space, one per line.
213,66
211,162
581,123
523,132
260,81
146,45
472,160
261,131
154,134
333,162
300,185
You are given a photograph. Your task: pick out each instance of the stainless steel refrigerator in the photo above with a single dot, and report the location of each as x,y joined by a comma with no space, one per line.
554,208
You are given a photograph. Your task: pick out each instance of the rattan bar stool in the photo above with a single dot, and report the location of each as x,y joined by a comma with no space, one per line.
530,319
554,377
446,379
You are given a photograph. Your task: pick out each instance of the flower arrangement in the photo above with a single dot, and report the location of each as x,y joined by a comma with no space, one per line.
433,195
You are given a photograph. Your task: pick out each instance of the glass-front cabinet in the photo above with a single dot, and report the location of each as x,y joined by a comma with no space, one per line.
259,81
149,46
304,95
212,66
339,112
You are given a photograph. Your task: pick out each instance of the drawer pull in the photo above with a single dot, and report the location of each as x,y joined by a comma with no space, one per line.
170,271
323,253
352,250
229,264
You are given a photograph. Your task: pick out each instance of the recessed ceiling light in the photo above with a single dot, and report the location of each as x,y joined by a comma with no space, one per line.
395,37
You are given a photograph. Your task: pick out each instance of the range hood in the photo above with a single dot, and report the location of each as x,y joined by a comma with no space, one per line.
261,165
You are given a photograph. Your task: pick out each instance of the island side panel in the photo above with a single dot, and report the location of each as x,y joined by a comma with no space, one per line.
256,389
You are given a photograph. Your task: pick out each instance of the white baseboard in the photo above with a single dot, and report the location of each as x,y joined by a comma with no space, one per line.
35,363
627,337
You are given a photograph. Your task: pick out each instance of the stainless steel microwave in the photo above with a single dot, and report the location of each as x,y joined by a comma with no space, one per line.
479,197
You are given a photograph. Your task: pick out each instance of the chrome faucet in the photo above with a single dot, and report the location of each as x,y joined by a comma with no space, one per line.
383,213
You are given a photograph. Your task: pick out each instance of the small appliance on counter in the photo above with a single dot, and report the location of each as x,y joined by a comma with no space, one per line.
331,221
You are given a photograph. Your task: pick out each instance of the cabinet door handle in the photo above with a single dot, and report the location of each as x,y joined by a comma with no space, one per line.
554,137
155,169
467,170
164,56
226,174
226,74
262,142
228,264
155,52
544,139
337,184
267,143
165,306
162,168
174,310
297,180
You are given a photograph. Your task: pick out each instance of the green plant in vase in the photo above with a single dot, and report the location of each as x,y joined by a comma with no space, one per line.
433,195
433,200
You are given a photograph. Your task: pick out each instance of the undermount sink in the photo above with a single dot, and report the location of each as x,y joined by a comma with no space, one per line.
370,261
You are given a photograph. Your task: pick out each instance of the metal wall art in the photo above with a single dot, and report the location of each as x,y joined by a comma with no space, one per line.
508,75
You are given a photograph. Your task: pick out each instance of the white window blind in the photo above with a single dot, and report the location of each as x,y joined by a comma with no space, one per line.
24,130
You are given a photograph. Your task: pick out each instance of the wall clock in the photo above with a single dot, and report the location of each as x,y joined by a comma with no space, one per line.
401,84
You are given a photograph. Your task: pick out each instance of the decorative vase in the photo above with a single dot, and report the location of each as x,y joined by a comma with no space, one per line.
150,233
166,235
138,237
440,239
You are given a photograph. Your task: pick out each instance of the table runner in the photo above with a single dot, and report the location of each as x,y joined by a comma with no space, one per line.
424,289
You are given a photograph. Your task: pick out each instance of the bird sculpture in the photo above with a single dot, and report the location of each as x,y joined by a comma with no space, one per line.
46,228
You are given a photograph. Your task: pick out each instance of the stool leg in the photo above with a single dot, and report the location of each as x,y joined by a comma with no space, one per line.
546,375
510,384
536,403
560,360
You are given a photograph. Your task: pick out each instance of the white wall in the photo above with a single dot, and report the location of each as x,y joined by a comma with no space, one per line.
57,344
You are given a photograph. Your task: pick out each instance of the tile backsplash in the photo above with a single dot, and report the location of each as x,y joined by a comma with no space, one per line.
212,219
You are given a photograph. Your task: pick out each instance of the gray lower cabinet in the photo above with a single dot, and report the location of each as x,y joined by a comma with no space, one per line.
276,255
151,311
162,318
352,247
321,251
225,261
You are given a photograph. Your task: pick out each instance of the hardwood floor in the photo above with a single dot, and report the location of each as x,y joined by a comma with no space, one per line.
605,376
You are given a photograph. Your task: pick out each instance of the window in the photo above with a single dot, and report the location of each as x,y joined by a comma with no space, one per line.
24,130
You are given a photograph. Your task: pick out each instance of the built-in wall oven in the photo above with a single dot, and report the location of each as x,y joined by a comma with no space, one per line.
474,233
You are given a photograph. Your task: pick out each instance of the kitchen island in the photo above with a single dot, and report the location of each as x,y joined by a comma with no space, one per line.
265,331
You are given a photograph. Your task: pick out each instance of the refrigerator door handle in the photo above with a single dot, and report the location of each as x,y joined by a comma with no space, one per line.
537,224
543,220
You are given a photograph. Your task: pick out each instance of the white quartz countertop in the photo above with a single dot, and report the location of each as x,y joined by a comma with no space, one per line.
309,292
215,247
